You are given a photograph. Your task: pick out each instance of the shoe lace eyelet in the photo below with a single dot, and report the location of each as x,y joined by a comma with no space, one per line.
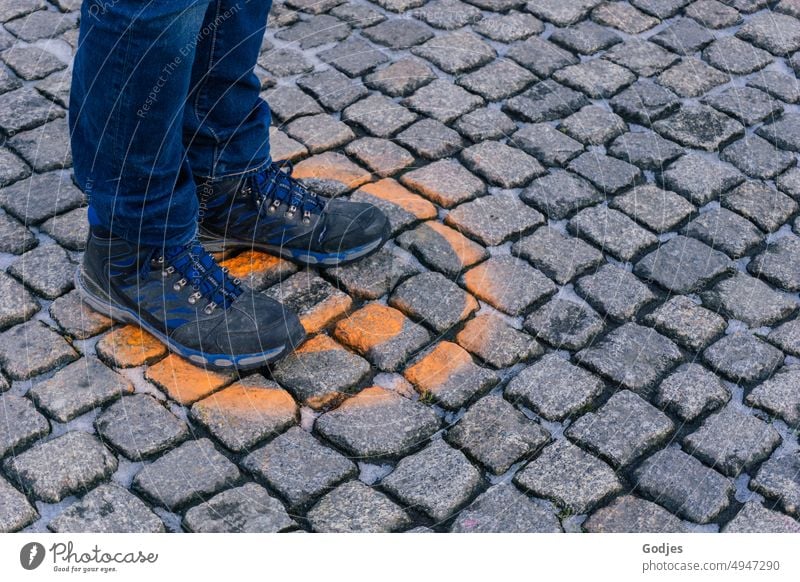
194,297
208,309
168,271
179,285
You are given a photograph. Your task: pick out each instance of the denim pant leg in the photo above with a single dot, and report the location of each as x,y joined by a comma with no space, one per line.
226,123
130,80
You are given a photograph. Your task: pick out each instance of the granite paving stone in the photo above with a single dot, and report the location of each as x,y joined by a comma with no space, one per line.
789,182
608,174
401,206
598,78
298,466
575,480
691,391
726,231
562,13
644,102
321,372
20,424
431,139
442,248
660,8
630,514
400,78
129,347
381,156
70,230
713,14
438,480
31,62
656,209
33,348
247,509
69,464
700,179
699,126
493,220
16,512
754,518
107,508
444,182
777,479
378,115
508,284
504,509
560,194
554,388
585,38
593,125
378,423
564,324
612,231
509,27
746,104
375,275
433,299
684,36
687,322
761,204
246,412
46,269
545,101
43,196
549,145
750,300
632,356
778,33
540,56
494,341
684,485
285,62
783,132
185,382
641,56
442,101
44,148
683,265
316,302
447,14
382,334
18,304
354,57
622,430
497,80
624,17
397,33
691,77
190,473
776,84
485,123
334,90
139,426
25,108
560,257
787,336
645,149
455,52
758,158
449,376
77,388
778,396
496,434
742,357
355,507
316,31
732,441
779,263
12,169
614,292
320,132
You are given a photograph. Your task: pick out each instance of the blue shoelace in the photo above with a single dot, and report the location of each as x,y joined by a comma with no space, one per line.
198,269
276,184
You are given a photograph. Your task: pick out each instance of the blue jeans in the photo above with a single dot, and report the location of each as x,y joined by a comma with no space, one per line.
163,90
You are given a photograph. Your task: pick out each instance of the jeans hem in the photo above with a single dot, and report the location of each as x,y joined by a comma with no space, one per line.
241,174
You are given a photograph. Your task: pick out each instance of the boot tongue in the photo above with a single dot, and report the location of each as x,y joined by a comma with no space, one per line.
200,269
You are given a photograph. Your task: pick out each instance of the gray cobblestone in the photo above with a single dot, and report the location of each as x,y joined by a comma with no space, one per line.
749,300
564,324
355,507
559,194
615,292
746,104
491,339
683,265
629,514
15,510
33,348
18,305
20,424
249,508
743,357
503,509
107,509
777,480
612,231
778,396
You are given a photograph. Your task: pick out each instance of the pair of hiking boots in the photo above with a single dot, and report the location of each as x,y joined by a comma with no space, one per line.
182,296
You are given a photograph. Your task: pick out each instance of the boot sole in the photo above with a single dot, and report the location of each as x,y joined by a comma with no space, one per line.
215,243
223,362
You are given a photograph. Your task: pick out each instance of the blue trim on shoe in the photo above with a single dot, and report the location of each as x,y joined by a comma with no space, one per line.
217,361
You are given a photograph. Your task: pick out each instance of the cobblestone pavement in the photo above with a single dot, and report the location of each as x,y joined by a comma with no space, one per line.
587,319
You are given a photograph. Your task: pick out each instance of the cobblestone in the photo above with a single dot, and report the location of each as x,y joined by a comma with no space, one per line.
573,479
609,174
699,179
15,510
554,388
66,465
504,509
749,300
564,324
725,230
19,304
107,509
497,435
778,396
434,300
33,348
431,139
494,341
743,357
684,485
746,104
494,219
560,257
437,480
355,507
647,150
622,430
442,248
777,480
374,276
615,292
249,508
612,231
754,517
559,194
629,514
683,265
632,355
643,57
20,424
732,441
378,423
